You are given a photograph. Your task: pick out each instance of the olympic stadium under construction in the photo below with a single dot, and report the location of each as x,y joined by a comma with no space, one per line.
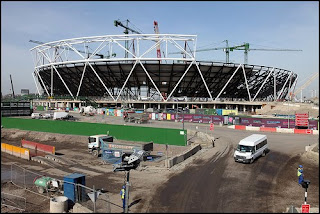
92,67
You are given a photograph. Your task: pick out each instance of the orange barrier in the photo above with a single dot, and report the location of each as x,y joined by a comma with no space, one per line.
16,151
303,131
268,129
240,127
38,146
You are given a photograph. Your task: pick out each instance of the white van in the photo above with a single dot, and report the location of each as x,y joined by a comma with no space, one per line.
251,148
36,116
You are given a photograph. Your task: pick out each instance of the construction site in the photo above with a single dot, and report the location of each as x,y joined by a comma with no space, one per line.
136,123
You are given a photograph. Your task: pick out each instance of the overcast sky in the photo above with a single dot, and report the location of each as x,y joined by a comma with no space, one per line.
280,25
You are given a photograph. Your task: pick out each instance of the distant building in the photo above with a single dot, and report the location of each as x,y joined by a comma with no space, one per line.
24,91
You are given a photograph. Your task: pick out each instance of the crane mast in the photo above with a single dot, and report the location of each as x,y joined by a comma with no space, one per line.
156,31
12,87
126,31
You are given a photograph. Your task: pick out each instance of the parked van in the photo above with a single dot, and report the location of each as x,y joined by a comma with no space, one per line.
251,148
36,116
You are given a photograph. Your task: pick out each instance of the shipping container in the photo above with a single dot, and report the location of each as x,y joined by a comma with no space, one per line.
72,191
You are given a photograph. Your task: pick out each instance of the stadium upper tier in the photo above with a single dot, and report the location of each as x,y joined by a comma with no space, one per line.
61,68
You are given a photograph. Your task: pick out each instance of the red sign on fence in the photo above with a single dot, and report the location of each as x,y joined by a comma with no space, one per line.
305,208
211,126
302,120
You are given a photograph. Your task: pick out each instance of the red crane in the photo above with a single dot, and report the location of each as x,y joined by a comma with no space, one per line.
156,31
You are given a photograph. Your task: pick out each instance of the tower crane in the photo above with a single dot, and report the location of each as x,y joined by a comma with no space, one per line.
40,43
306,84
245,47
156,31
126,31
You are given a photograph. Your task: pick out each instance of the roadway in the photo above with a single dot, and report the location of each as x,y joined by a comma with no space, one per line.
215,183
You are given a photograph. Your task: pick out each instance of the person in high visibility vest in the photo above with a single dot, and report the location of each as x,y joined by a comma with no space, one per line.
300,174
122,194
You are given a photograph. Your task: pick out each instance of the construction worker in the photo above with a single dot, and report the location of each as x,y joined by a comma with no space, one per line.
300,174
123,193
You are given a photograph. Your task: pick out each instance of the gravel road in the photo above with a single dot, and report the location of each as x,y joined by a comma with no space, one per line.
210,181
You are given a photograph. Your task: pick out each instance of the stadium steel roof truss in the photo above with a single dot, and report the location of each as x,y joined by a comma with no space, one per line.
62,69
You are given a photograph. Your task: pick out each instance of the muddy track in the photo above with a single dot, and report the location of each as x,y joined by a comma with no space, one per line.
222,185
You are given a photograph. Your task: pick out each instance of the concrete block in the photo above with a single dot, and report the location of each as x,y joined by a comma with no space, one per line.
283,130
240,127
180,158
78,208
252,128
3,147
267,129
231,126
316,132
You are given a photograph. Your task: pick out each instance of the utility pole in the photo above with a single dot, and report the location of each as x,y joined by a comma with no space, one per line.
127,192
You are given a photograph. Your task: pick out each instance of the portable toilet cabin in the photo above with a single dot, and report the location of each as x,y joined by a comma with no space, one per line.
71,190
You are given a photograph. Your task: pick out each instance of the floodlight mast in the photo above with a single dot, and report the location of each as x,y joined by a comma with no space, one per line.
128,162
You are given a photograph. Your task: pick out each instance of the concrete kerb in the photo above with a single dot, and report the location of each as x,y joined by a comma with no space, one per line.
58,159
252,128
279,130
293,209
181,157
311,153
207,141
78,208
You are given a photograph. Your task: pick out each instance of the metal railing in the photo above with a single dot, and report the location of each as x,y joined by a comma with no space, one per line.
24,178
13,201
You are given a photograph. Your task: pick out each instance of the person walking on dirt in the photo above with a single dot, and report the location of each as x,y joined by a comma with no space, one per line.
300,174
122,193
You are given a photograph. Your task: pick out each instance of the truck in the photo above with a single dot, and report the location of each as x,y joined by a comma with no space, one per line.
136,117
60,115
110,151
87,111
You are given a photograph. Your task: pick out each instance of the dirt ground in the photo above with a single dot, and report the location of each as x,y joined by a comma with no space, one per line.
74,149
209,181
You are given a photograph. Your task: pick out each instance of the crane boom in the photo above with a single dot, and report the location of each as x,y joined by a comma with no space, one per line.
244,47
41,43
117,22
